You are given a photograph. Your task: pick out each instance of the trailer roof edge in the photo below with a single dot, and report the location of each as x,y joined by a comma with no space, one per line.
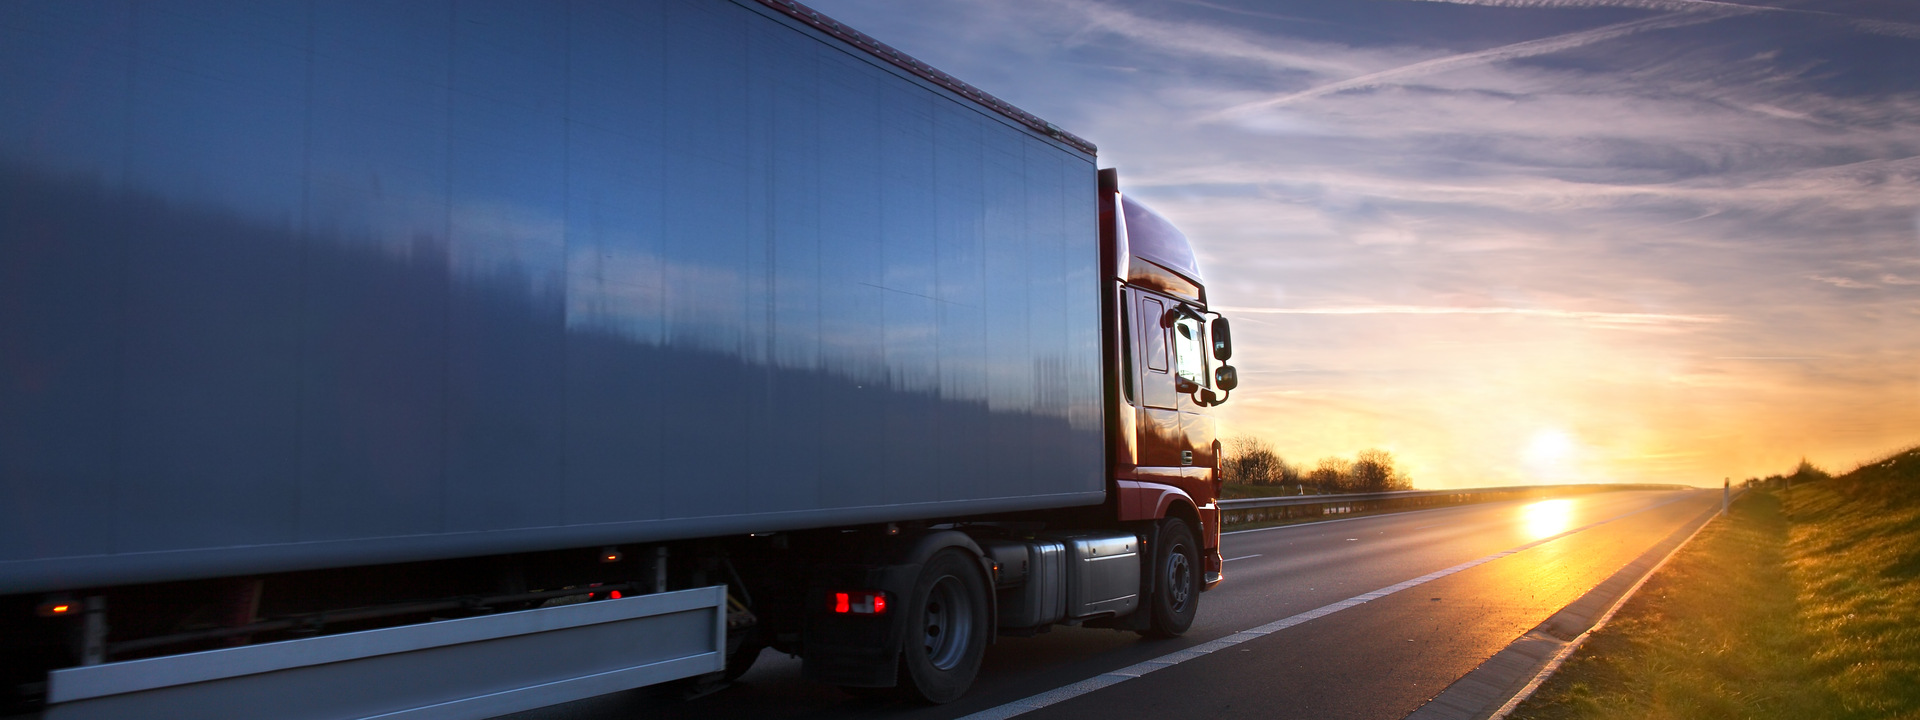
835,28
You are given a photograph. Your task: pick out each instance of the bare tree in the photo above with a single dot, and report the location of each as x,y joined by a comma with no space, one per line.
1373,471
1250,461
1289,474
1806,472
1331,474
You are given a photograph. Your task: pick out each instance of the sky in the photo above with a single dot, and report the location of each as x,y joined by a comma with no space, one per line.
1511,241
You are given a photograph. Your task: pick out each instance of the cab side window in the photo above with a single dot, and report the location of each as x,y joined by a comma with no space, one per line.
1152,313
1189,344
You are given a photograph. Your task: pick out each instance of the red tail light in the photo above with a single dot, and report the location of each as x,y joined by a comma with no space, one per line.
860,603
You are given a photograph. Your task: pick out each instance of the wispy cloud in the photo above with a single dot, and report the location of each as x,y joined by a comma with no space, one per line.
1600,318
1844,282
1891,28
1663,5
1543,46
1198,40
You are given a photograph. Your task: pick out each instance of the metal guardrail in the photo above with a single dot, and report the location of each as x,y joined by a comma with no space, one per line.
1286,507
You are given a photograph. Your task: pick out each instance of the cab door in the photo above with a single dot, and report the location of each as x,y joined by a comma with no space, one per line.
1170,422
1160,439
1192,379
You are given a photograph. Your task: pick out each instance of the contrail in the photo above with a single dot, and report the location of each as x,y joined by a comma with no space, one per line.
1666,5
1604,317
1891,28
1505,52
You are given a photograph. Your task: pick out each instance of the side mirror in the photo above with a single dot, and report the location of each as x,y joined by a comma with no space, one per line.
1225,377
1222,340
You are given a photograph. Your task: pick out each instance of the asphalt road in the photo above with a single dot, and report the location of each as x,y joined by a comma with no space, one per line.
1378,659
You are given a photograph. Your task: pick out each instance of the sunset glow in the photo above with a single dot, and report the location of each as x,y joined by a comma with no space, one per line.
1550,453
1547,518
1684,236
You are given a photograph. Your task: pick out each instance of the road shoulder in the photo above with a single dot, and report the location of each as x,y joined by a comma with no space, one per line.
1492,690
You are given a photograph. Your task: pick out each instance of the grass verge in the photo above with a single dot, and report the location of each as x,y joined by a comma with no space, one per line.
1802,604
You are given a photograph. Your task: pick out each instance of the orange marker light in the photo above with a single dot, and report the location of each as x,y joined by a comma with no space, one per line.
55,609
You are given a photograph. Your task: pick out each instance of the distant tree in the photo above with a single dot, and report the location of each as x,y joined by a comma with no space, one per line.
1250,461
1289,474
1331,474
1373,471
1369,472
1806,472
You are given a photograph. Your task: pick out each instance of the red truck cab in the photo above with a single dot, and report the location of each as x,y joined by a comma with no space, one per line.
1167,357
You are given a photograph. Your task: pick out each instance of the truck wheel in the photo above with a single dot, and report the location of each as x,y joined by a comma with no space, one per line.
741,658
1175,598
947,630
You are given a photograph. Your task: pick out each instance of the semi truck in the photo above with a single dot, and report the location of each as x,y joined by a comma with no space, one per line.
449,359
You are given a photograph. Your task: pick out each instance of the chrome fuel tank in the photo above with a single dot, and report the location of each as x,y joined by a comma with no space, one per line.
1103,574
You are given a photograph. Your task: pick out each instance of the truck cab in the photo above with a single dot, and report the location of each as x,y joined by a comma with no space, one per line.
1167,355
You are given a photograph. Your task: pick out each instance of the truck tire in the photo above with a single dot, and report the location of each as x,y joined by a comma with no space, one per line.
741,658
1175,598
947,627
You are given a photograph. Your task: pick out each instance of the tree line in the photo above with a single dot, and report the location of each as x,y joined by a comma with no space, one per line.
1251,461
1804,473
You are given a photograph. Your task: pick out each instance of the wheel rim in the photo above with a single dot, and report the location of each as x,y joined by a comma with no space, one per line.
1179,578
948,623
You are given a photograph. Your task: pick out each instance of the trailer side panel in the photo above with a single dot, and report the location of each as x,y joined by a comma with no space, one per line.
290,287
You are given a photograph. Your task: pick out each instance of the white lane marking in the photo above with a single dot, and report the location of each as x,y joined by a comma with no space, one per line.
1069,692
1242,557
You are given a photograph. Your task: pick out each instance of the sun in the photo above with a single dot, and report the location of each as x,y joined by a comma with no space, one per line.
1549,448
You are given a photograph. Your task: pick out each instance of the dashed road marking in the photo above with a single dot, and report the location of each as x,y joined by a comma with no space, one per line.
1109,679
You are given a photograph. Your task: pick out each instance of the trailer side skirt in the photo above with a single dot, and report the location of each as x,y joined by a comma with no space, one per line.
467,668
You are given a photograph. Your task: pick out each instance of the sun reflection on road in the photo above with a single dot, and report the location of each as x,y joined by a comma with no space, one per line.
1547,518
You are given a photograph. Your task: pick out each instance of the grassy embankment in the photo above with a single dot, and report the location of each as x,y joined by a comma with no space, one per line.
1803,604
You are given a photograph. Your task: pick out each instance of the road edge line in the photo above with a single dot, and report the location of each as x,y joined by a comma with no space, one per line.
1115,677
1545,648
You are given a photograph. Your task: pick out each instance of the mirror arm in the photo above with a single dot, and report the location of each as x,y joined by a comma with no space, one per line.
1222,400
1202,402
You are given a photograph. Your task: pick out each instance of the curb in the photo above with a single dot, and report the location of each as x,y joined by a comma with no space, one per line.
1492,690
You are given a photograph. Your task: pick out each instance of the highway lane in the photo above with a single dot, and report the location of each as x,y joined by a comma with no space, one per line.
1380,659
